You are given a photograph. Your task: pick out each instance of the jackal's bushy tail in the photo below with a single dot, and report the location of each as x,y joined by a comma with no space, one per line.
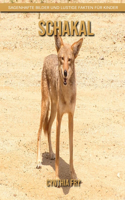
46,119
45,100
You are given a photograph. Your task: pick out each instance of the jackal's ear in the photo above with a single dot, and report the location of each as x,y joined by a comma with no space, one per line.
58,41
76,47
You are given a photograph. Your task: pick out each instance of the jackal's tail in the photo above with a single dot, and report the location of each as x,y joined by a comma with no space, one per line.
46,118
45,104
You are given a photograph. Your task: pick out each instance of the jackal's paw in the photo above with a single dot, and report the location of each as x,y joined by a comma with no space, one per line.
57,181
57,178
52,156
39,165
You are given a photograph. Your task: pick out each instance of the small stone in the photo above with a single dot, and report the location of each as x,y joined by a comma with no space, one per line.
101,58
118,175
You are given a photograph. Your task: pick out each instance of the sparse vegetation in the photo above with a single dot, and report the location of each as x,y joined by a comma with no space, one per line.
12,1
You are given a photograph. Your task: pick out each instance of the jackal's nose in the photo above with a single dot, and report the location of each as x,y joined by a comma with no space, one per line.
65,73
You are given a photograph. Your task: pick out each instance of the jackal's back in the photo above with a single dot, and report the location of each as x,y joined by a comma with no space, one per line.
50,76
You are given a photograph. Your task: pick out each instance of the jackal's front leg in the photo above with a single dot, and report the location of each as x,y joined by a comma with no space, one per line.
73,174
58,123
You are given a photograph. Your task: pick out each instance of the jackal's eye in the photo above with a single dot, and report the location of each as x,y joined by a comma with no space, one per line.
62,58
69,59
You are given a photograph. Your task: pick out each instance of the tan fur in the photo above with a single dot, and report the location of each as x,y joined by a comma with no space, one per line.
59,91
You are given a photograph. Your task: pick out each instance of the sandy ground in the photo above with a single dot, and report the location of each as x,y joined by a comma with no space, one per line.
99,123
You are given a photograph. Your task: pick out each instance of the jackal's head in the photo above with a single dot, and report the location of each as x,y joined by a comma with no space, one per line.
66,57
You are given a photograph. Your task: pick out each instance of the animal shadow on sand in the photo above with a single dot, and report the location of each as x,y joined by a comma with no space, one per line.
64,169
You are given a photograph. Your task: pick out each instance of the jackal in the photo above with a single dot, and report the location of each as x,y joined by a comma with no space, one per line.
58,90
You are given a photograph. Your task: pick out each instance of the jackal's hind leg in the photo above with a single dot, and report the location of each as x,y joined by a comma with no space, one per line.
58,125
52,117
44,108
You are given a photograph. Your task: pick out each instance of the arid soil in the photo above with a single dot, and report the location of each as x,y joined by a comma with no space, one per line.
99,121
